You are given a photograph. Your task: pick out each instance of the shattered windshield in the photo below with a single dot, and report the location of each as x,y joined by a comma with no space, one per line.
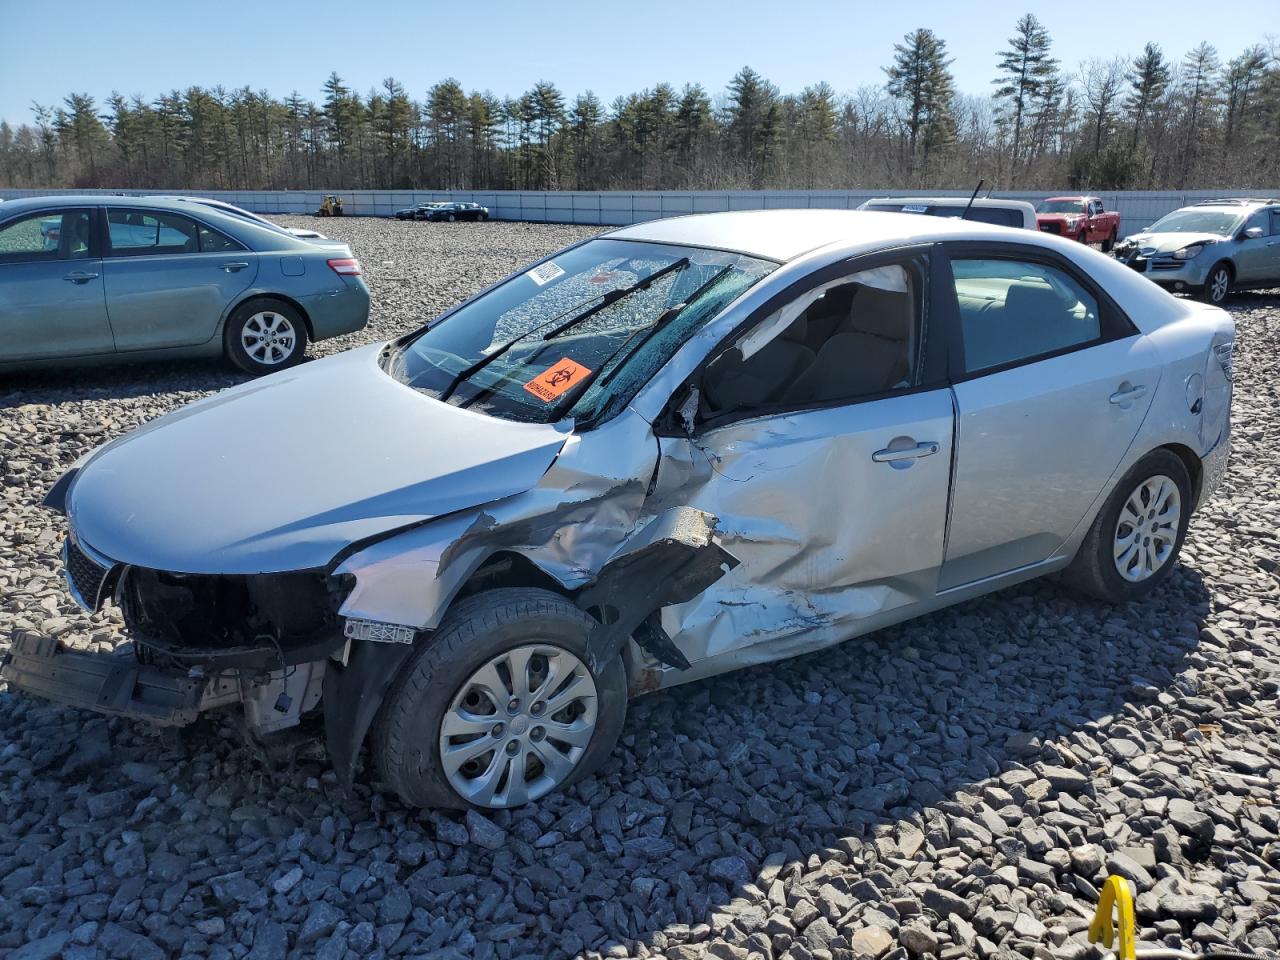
575,334
1060,206
1197,221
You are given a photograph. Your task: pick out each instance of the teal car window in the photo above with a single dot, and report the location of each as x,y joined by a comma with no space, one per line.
63,235
138,233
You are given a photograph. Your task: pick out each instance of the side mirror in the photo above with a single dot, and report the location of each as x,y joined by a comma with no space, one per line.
1252,233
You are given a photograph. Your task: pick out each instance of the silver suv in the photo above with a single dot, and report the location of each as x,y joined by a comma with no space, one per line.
1210,248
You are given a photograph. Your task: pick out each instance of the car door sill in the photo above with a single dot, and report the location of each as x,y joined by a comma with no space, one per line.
1040,566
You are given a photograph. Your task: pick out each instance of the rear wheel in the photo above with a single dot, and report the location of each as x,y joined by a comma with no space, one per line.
1217,285
451,218
501,706
1134,541
263,336
1109,243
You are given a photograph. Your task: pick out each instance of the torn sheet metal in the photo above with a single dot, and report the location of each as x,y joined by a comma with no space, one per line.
670,559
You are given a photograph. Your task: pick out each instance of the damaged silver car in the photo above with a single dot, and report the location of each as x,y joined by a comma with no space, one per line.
670,451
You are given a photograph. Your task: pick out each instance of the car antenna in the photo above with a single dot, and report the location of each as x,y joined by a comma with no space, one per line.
973,197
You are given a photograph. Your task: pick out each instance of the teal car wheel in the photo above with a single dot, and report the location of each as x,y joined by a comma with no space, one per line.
264,336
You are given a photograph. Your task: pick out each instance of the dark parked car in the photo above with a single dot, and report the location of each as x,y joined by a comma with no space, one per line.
417,212
456,211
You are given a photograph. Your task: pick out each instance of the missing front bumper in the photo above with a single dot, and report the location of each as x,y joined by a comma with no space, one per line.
105,683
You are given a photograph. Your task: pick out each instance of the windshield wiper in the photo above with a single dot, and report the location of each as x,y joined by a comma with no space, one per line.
612,297
648,332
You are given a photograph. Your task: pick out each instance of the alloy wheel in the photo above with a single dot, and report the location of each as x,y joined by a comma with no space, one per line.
1147,530
268,338
1219,282
518,726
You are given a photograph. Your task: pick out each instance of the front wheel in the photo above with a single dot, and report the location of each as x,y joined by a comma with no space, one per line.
501,706
1217,284
263,336
1135,539
451,218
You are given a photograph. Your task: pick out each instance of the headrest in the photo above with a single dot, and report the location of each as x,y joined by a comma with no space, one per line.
1031,301
881,312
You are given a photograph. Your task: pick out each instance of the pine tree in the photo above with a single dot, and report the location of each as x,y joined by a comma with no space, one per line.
920,81
1025,67
1148,82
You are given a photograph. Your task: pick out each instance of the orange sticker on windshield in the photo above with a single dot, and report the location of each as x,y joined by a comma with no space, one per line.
556,380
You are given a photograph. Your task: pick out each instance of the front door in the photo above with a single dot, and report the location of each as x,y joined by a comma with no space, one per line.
826,462
51,290
169,279
1052,387
1257,259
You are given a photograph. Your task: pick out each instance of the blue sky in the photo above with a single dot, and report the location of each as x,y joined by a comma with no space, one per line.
148,47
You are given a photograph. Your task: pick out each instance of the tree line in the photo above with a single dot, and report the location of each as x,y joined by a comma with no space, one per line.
1150,121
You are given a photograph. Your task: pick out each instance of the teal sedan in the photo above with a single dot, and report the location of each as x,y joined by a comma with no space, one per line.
88,278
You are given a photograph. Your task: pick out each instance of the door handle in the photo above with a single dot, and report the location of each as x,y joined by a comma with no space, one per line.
234,267
927,449
1128,394
80,276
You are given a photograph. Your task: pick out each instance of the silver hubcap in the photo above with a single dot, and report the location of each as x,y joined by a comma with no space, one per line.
1147,529
268,338
518,726
1218,287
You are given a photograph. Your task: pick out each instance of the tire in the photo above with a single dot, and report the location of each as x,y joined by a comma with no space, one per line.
1109,243
1217,284
1097,567
1083,237
484,216
451,218
440,683
265,316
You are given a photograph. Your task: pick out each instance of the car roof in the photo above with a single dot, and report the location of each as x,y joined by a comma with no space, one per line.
784,235
103,199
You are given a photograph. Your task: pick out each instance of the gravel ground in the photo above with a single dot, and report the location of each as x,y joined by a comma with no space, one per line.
954,787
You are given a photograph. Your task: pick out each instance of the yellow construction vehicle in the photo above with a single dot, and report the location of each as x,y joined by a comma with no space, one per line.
330,207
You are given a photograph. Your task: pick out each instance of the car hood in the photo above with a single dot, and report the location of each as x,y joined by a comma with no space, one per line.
1149,243
1059,216
282,473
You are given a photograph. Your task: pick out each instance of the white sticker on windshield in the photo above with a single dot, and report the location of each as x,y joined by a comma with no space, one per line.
545,273
914,208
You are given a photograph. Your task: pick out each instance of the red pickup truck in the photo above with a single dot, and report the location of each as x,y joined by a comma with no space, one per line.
1079,218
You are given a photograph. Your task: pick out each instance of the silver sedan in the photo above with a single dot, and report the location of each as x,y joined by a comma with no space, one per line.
671,451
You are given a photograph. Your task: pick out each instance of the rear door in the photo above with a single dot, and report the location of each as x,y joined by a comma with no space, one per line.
1051,384
51,289
169,278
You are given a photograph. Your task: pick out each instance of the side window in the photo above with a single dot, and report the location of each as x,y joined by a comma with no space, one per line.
851,339
1015,310
139,233
1257,219
1095,207
50,235
211,241
1275,222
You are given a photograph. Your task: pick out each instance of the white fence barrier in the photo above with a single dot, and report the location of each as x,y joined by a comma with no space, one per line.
608,207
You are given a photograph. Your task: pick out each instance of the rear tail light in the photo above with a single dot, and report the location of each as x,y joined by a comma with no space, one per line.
346,267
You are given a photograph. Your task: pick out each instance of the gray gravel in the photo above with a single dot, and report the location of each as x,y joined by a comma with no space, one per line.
954,787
